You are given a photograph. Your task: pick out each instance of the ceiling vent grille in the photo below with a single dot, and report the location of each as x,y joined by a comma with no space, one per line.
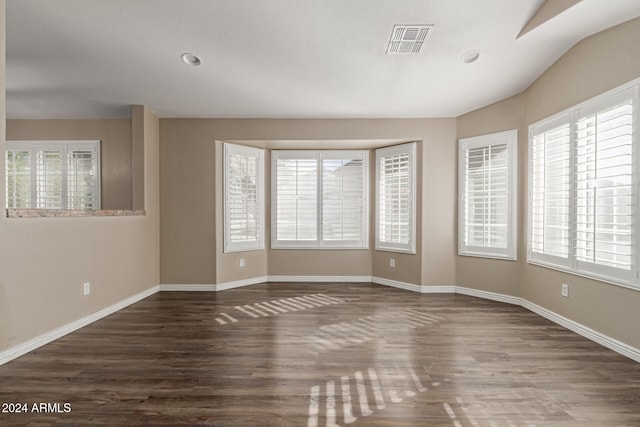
408,38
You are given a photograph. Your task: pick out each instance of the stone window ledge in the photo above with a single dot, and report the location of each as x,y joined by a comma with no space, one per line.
51,213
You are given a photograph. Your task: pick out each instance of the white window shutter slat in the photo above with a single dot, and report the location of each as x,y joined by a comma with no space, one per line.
243,198
584,189
487,187
320,199
395,222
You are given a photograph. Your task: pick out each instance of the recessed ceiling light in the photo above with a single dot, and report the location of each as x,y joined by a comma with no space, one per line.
471,56
191,59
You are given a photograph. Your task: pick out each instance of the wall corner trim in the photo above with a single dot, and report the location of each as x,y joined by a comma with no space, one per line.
47,337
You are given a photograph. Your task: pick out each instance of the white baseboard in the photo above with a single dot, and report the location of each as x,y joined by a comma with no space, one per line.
492,296
414,288
54,334
240,283
338,279
598,337
187,288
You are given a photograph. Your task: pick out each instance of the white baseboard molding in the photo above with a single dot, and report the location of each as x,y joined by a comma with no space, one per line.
240,283
47,337
414,288
316,279
187,288
492,296
598,337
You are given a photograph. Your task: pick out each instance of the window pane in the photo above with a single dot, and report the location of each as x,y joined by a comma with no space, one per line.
604,176
321,199
49,179
395,206
244,199
395,217
296,199
486,207
343,200
18,179
551,191
81,182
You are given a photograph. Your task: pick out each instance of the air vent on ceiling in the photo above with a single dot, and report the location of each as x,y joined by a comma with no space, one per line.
408,38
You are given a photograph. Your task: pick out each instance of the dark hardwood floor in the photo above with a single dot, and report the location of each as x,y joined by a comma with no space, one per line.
322,355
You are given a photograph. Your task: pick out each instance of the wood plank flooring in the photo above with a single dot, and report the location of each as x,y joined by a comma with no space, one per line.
322,355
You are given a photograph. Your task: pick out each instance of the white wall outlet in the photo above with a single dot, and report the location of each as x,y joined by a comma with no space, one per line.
241,262
392,262
86,288
565,290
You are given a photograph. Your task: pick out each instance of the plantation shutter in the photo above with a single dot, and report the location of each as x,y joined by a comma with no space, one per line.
550,198
344,199
18,179
320,199
244,198
395,184
486,196
488,182
82,185
296,185
61,175
50,185
604,186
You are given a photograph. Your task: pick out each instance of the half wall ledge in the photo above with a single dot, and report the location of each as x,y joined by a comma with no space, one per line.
66,213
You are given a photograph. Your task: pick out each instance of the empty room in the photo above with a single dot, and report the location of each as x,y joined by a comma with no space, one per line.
320,212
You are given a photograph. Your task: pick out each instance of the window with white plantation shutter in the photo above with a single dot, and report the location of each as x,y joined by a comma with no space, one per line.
18,179
395,190
53,175
344,199
550,199
584,191
487,191
243,198
82,188
319,199
604,188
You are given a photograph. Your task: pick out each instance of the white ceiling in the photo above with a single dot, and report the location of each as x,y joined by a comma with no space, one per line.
280,58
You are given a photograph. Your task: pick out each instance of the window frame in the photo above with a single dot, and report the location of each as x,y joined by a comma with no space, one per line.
65,147
319,156
408,247
510,139
571,264
258,155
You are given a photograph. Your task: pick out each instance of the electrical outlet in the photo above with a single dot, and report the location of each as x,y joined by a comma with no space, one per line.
392,262
241,262
565,290
86,288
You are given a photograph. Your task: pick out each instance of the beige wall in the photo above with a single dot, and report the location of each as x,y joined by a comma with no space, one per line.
45,261
500,276
191,200
595,65
115,137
